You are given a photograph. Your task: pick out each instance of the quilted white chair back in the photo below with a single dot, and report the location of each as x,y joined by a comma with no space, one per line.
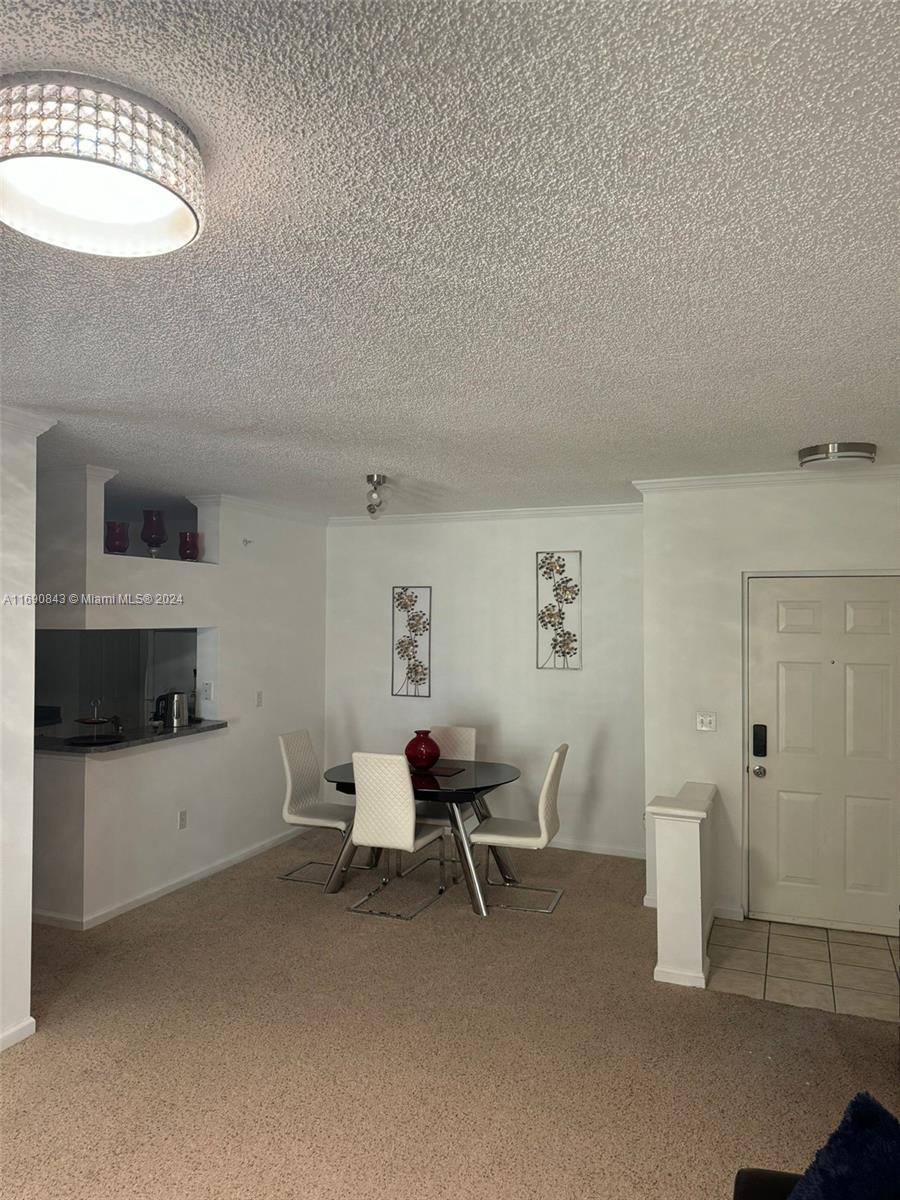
385,804
548,817
455,741
301,770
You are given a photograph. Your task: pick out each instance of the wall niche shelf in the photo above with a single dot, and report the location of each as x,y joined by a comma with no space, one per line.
123,522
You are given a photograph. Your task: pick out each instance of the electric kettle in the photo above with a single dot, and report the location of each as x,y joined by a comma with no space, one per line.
172,710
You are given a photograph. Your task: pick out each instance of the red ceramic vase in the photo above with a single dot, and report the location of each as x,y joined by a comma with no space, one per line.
153,533
116,541
189,546
423,751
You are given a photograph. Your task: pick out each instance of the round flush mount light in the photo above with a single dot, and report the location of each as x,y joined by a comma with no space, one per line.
837,452
91,166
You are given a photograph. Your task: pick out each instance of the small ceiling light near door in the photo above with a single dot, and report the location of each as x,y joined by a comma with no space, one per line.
837,452
90,166
375,495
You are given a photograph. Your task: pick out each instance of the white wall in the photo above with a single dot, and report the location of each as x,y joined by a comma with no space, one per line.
482,572
18,433
698,540
265,605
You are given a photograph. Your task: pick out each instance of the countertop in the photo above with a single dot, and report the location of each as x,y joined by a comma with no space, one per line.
144,735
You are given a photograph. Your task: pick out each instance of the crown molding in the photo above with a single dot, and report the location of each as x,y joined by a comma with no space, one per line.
498,514
861,474
20,420
100,474
283,511
79,471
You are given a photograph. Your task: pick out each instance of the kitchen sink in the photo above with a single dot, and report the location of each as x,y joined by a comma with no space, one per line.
101,739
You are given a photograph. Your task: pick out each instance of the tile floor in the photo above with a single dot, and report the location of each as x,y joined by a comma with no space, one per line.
831,969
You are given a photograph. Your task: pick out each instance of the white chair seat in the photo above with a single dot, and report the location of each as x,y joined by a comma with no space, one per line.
326,816
424,835
503,831
432,812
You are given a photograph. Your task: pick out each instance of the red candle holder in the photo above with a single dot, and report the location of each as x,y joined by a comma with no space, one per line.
189,545
153,533
116,540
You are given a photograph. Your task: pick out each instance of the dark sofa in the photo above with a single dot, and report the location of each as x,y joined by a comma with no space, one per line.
763,1185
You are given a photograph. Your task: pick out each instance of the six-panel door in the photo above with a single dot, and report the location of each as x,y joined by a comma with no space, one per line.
824,677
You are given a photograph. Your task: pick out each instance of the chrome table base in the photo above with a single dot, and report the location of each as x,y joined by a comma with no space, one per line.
465,857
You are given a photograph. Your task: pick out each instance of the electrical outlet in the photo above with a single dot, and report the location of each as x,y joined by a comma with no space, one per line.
706,722
259,699
182,818
208,690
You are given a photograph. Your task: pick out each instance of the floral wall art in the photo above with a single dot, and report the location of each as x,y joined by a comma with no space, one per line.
559,610
411,640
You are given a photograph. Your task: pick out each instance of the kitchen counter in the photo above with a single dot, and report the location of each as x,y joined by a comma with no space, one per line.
144,735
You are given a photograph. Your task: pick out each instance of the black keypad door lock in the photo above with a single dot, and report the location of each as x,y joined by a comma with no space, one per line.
760,739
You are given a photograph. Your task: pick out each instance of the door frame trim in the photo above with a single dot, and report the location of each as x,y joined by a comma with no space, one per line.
746,577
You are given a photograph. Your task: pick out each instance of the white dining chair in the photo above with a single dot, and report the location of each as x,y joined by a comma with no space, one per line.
386,819
526,835
454,741
302,805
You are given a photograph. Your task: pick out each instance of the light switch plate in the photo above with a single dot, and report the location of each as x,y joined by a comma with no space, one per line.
706,722
208,691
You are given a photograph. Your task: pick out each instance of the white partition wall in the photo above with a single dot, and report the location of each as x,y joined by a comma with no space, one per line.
18,454
700,536
260,615
684,883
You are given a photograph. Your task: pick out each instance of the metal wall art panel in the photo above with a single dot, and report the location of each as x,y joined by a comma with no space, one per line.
411,641
559,610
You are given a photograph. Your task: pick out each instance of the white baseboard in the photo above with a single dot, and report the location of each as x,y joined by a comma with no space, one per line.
730,914
649,901
43,916
67,921
559,843
17,1033
683,978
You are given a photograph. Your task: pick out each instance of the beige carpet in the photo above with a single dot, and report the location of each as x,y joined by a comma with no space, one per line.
246,1037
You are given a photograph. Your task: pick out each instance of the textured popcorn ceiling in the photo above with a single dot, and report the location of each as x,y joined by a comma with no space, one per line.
511,254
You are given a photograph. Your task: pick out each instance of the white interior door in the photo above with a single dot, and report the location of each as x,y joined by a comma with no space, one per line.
824,679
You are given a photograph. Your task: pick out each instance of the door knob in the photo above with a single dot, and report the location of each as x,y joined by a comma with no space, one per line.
759,771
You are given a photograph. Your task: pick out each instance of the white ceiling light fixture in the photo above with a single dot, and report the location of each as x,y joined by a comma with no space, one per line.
91,166
837,452
375,494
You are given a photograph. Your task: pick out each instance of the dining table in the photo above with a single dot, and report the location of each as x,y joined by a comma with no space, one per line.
453,783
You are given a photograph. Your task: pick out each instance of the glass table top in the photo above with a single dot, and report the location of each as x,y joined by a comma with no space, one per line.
467,777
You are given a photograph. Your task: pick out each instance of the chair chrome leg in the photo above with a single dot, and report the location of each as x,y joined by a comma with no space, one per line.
335,880
385,882
556,893
374,860
291,876
448,859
